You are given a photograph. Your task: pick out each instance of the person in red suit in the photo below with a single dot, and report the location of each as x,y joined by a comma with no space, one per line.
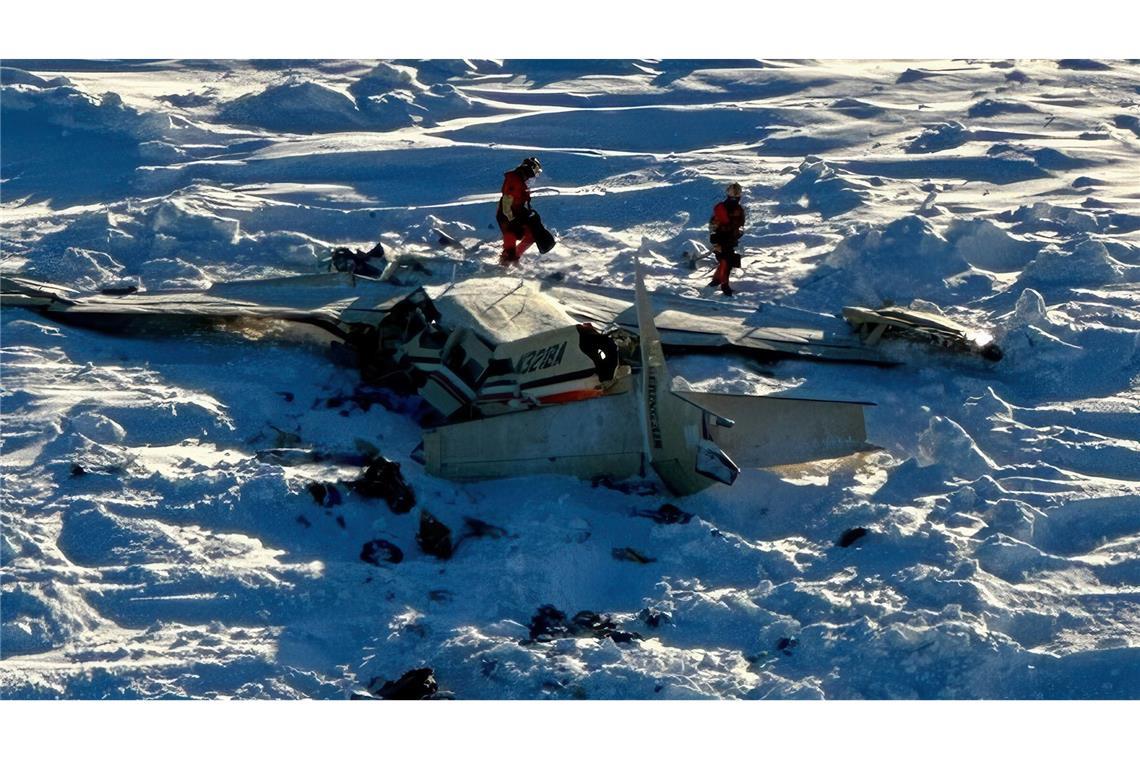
514,211
725,228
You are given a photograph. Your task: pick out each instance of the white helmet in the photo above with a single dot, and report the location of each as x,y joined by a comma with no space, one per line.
533,165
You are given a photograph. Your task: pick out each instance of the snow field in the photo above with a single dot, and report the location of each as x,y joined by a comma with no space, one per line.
148,551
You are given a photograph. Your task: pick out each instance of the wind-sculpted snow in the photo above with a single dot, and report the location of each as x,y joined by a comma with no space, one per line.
165,535
296,107
384,98
874,265
820,187
11,76
67,142
940,137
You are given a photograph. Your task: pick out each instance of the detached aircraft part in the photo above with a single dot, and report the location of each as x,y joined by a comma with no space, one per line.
875,324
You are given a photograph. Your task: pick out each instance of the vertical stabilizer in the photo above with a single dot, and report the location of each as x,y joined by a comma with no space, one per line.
675,443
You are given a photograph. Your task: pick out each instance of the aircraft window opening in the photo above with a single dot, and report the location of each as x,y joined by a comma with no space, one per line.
456,357
471,371
432,337
594,345
500,366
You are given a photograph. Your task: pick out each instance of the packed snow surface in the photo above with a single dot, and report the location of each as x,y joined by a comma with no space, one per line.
990,548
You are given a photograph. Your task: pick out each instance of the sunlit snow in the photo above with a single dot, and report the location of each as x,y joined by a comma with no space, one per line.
148,551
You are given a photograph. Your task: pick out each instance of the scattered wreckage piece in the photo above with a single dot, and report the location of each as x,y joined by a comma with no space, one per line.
367,263
382,479
434,537
873,325
666,514
550,623
380,550
414,685
629,554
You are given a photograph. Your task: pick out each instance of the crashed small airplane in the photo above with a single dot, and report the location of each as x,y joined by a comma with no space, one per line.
686,436
531,378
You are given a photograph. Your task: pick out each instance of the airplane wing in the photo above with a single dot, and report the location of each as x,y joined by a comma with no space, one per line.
327,300
499,308
697,324
875,324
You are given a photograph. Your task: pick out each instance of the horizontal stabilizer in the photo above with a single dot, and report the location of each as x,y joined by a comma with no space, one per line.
773,430
714,417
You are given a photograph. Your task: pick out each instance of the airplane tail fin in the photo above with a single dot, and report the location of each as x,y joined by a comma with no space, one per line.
677,443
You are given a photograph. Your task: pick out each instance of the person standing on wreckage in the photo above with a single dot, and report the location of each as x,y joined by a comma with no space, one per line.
725,229
520,224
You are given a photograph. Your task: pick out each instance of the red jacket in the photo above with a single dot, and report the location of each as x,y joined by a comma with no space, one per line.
726,225
514,189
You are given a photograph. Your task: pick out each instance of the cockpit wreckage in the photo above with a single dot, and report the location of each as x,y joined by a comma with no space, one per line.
531,378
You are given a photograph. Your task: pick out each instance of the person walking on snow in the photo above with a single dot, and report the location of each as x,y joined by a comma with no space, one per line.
725,228
514,211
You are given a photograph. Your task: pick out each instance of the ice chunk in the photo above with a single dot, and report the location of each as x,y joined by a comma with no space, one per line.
946,444
1030,310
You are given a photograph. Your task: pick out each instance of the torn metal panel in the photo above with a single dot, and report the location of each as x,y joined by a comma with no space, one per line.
873,325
